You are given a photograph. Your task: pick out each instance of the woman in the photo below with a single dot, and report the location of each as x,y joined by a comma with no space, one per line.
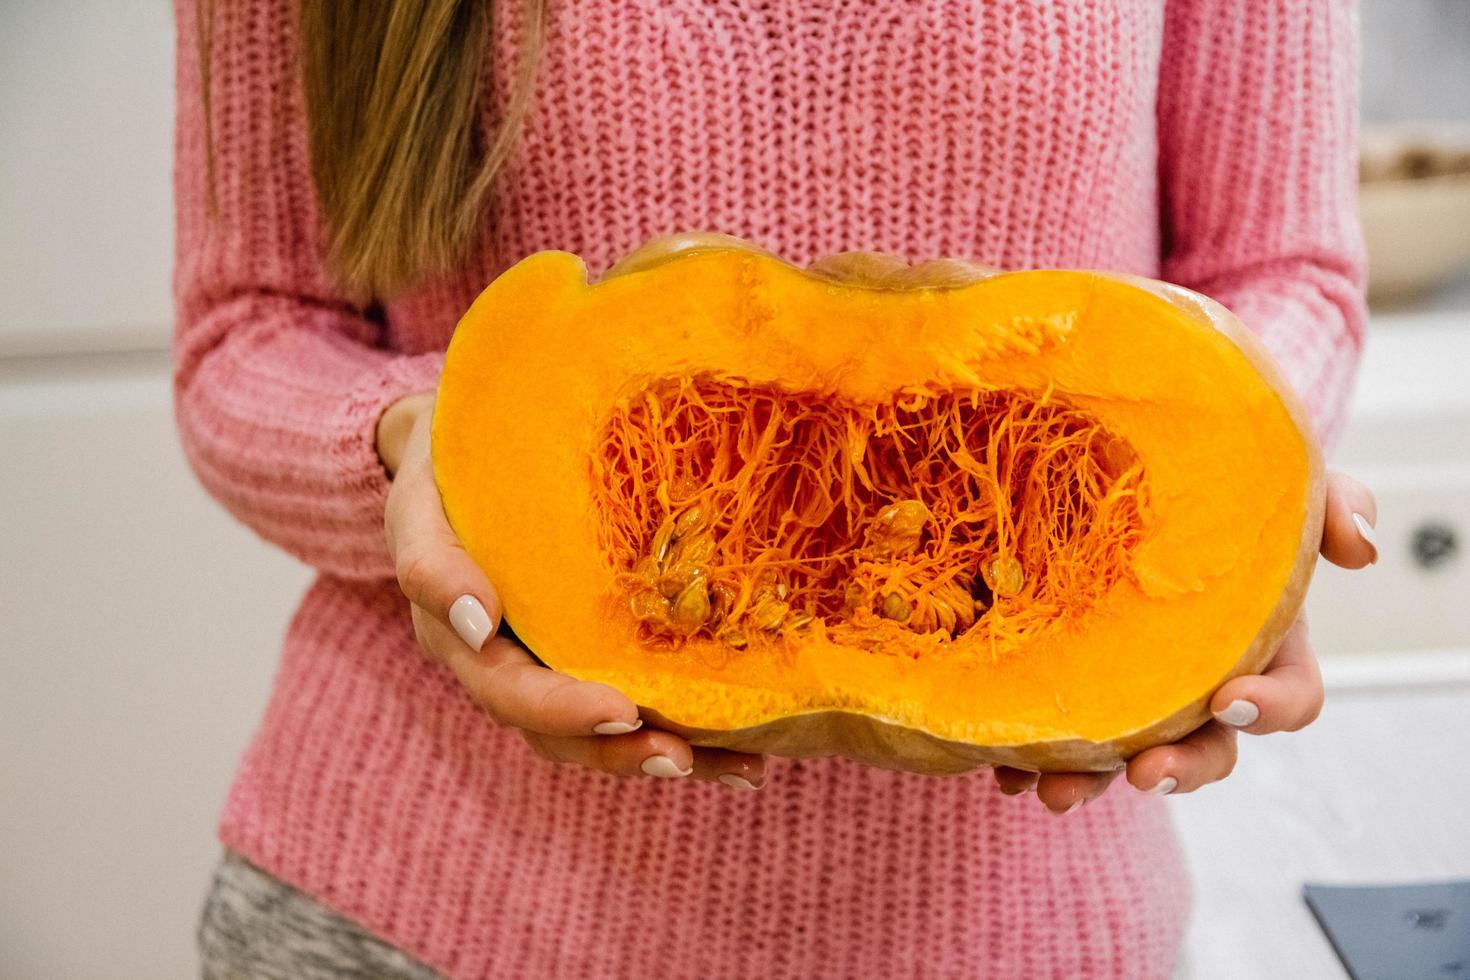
350,175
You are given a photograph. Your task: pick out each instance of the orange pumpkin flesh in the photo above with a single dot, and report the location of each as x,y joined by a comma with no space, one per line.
927,517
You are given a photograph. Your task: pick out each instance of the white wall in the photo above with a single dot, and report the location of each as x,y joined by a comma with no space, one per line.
86,151
1416,60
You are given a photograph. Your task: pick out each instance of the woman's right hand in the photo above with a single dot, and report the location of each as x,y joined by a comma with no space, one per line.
456,614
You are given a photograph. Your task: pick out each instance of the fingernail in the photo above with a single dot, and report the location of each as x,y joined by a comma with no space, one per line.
1076,805
1238,714
617,727
663,767
1365,531
1163,787
470,621
737,782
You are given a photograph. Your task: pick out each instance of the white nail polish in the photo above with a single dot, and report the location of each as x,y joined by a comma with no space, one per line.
1163,787
1238,714
471,621
1366,532
617,727
737,782
662,767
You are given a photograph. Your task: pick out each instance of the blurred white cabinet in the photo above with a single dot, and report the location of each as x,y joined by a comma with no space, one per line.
1409,439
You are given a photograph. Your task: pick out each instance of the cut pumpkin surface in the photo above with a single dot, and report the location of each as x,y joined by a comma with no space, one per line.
925,517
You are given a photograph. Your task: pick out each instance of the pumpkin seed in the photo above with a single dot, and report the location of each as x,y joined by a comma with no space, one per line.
768,614
691,608
732,636
697,550
679,577
895,608
689,522
722,597
899,526
649,607
662,538
1005,576
797,621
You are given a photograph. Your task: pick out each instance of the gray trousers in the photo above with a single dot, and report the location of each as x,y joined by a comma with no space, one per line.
256,927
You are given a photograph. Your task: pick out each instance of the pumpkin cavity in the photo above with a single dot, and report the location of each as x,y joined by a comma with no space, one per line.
744,514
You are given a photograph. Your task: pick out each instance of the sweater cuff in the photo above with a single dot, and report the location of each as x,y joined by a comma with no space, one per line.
358,461
1315,346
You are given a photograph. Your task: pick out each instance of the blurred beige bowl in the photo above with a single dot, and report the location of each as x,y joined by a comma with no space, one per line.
1415,200
1418,234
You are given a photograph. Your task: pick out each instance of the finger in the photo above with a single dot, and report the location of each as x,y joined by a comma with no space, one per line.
1063,792
1286,697
738,770
1014,782
1204,756
433,569
647,753
517,691
1347,530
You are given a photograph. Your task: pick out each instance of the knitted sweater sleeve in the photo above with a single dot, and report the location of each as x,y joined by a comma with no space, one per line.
279,378
1257,135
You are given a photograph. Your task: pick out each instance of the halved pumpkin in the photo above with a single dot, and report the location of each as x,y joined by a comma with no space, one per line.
927,517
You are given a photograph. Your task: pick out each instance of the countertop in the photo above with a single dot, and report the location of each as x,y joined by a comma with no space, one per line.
1377,791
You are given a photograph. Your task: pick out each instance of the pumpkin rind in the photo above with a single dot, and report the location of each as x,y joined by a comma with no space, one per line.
1235,476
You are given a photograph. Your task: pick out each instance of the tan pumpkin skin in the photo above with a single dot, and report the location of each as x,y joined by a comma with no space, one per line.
879,741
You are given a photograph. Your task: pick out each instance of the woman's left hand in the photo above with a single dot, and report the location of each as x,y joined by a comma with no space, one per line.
1285,697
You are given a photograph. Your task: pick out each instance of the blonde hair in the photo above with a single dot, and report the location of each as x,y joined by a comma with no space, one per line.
393,96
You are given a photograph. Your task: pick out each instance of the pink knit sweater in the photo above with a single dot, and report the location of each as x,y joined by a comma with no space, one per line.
1208,143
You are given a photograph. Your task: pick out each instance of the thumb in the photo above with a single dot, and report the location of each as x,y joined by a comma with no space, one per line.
432,567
